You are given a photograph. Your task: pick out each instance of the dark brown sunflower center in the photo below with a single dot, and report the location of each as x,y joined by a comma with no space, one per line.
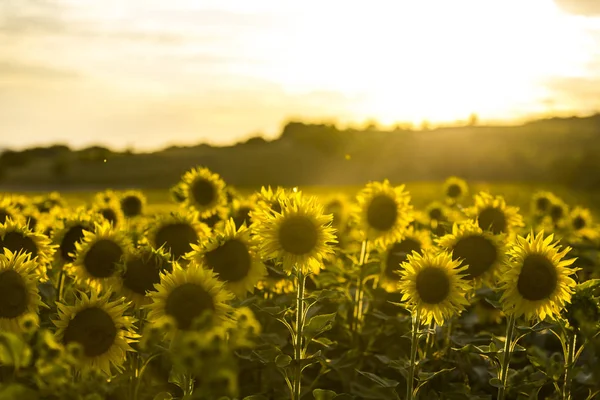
13,294
298,235
579,223
382,213
538,278
94,329
187,302
242,215
110,215
433,285
397,255
212,220
203,191
477,252
276,207
16,241
131,206
454,191
67,245
542,204
231,260
176,238
556,212
142,272
101,259
492,219
4,215
436,214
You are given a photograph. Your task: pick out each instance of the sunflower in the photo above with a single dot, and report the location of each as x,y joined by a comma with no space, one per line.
396,254
535,280
580,218
110,211
50,202
268,199
455,188
32,217
16,237
186,294
480,251
100,327
232,255
339,208
433,285
177,232
142,268
558,212
204,191
437,212
106,197
98,257
132,203
241,210
19,296
300,236
9,211
383,212
177,193
69,232
492,214
541,202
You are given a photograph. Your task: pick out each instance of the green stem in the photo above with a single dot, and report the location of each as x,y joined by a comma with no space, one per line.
301,278
569,364
60,287
359,295
510,329
414,347
139,380
431,334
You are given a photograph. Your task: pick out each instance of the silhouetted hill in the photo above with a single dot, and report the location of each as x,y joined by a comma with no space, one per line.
557,150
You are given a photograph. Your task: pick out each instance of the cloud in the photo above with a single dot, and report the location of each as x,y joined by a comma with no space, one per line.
16,69
31,17
590,8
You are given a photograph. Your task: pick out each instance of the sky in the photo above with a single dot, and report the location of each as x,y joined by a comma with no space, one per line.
145,74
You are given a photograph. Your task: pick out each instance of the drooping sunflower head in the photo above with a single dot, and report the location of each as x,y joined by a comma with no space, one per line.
269,199
580,218
100,327
141,271
68,232
493,215
204,191
98,257
177,193
111,212
300,236
383,212
339,207
241,211
231,254
19,296
541,202
189,294
133,203
9,211
536,279
433,284
19,238
176,232
455,188
482,252
398,252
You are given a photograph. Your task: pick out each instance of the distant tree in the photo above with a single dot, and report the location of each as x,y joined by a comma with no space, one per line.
60,168
425,125
12,159
255,140
473,119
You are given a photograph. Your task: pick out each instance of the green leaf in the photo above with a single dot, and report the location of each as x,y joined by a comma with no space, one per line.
495,382
321,394
318,324
177,377
427,376
283,360
590,285
383,382
163,396
17,391
14,351
256,397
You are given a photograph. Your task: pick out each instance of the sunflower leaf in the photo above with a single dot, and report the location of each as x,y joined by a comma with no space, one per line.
318,324
382,382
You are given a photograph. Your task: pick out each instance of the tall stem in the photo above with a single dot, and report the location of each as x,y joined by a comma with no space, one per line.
301,278
414,347
60,287
358,294
510,329
569,364
431,334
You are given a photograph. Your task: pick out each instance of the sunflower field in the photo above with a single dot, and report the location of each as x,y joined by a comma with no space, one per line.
278,294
